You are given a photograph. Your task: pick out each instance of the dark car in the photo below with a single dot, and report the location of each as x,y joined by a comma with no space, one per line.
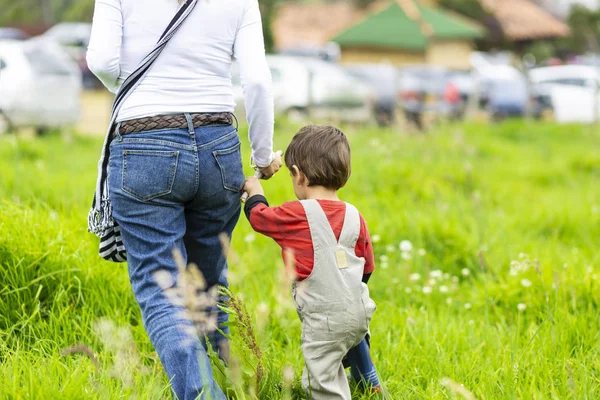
382,79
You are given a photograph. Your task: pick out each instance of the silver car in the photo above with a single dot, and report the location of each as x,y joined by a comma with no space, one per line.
310,88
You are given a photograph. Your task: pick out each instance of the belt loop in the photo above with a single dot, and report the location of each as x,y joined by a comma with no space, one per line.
188,118
117,133
237,123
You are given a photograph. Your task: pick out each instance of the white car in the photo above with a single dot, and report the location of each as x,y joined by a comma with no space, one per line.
40,86
304,87
572,92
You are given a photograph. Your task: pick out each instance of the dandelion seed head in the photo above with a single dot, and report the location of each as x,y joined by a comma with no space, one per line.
435,274
406,246
521,307
375,238
465,272
526,282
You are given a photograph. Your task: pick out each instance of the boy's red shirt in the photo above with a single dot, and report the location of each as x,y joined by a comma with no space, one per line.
288,226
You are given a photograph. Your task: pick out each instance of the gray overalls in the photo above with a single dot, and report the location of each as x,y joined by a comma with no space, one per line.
333,304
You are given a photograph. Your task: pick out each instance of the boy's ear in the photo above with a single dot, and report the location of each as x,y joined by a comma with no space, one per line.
296,173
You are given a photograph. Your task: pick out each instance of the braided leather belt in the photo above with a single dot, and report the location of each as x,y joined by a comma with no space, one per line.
174,121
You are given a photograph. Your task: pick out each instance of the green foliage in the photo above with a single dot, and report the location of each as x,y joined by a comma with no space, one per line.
585,30
504,214
469,8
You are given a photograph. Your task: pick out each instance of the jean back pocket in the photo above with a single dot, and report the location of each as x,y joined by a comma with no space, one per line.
147,174
230,164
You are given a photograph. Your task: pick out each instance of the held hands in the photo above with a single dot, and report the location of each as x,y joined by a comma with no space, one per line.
268,172
253,187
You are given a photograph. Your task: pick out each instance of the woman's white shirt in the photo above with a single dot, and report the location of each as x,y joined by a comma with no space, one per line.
193,73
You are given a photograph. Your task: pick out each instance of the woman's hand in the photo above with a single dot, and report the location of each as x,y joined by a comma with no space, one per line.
268,172
253,187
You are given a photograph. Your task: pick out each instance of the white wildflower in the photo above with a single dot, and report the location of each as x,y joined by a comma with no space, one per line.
465,272
406,246
449,300
384,265
249,238
446,276
595,210
521,307
375,238
407,290
471,322
431,282
422,252
526,282
435,274
406,255
390,249
383,258
427,289
468,306
443,289
590,269
455,279
414,277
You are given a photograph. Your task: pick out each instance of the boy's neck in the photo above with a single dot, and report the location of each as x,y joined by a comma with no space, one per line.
321,193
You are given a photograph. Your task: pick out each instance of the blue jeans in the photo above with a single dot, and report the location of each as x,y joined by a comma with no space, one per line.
177,188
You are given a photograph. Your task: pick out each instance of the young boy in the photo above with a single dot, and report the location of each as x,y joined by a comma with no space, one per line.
334,260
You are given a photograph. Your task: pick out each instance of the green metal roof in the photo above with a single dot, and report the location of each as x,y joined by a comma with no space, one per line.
392,28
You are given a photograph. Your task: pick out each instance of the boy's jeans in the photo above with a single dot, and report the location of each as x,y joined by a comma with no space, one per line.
176,188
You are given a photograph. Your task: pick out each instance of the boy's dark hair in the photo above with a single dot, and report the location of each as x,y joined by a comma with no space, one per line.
322,153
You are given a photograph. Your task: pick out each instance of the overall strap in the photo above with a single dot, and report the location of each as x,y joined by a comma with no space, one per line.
351,228
320,228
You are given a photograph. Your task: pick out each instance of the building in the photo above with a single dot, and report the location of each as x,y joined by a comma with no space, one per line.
561,8
409,32
522,21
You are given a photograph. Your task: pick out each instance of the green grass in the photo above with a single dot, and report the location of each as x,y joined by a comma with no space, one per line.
475,198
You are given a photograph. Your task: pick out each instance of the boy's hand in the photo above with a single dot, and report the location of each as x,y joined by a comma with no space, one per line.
253,187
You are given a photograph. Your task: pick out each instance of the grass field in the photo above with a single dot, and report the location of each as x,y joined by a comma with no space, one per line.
497,290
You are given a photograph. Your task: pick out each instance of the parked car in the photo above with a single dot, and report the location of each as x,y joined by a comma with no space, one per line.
503,91
12,34
74,37
569,91
41,86
427,89
304,87
382,78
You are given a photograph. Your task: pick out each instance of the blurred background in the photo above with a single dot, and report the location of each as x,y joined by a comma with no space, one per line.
403,63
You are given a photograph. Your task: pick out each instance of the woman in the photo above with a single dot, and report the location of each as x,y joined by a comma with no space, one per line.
175,168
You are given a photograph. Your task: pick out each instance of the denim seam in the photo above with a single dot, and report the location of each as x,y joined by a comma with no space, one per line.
219,140
174,154
224,152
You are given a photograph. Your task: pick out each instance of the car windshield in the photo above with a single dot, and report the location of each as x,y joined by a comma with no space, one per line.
46,62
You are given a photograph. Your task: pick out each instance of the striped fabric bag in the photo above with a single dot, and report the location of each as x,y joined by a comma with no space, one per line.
100,218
